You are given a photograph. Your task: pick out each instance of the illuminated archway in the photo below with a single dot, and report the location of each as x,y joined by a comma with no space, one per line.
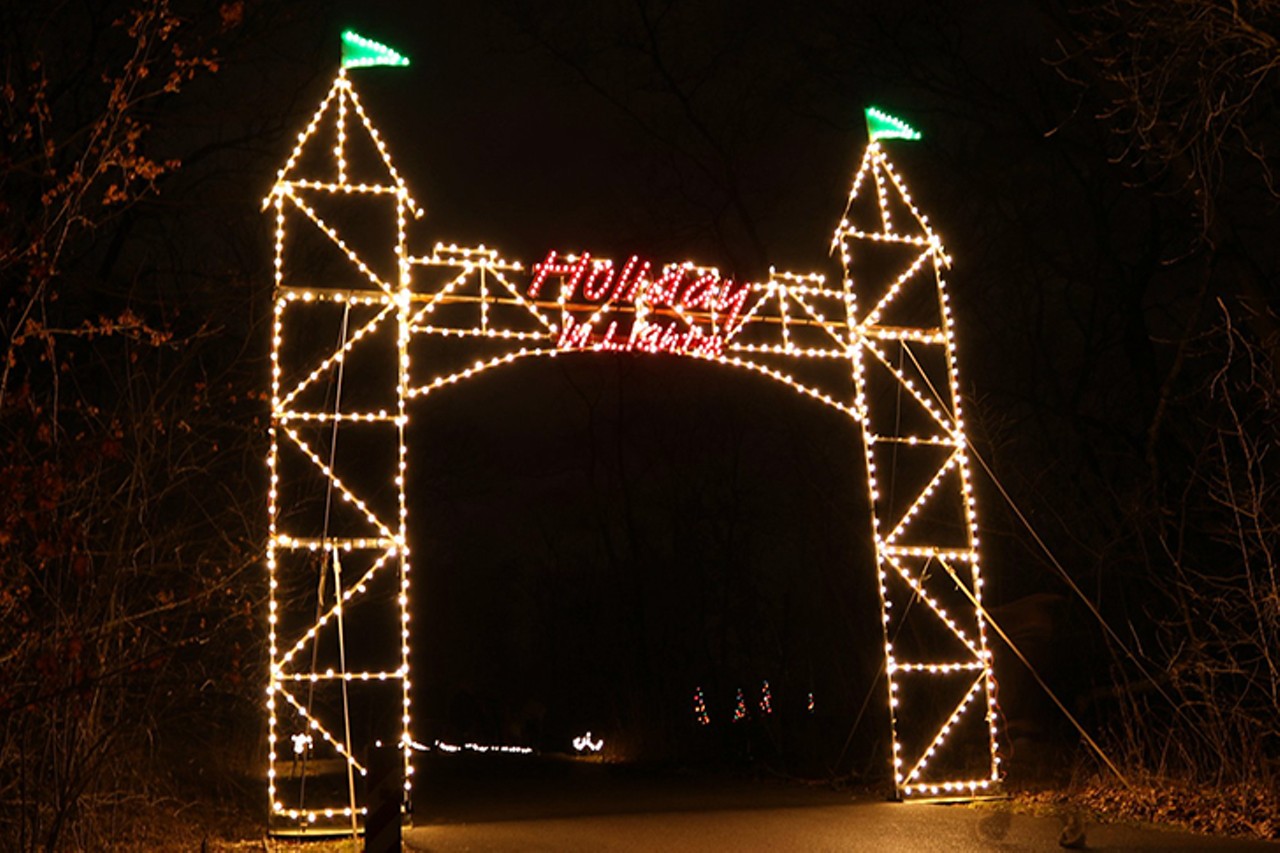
877,347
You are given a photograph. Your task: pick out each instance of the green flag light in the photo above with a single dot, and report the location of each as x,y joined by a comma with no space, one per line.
881,125
360,52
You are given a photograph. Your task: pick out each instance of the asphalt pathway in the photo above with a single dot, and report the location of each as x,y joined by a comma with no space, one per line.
540,806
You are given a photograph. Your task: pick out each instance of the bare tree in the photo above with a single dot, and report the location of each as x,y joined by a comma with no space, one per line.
127,437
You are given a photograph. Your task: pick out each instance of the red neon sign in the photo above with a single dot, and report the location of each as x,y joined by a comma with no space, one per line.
679,291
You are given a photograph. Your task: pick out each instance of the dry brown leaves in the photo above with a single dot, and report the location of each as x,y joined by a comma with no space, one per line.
1241,809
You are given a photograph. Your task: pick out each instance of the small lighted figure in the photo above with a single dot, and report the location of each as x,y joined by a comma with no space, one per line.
740,709
766,698
700,708
301,743
584,743
810,705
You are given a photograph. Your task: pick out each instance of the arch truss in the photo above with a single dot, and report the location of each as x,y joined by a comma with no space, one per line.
353,299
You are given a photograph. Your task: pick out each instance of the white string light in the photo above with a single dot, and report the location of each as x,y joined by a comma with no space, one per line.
488,747
925,271
576,302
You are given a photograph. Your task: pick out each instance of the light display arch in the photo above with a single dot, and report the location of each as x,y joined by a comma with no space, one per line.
878,347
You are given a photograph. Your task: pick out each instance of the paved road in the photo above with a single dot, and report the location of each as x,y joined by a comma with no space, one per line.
541,808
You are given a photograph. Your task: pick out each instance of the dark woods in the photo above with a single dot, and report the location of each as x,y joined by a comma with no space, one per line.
130,411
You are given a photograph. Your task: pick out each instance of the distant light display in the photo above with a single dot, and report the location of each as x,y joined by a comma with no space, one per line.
766,698
883,338
700,708
482,748
584,743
